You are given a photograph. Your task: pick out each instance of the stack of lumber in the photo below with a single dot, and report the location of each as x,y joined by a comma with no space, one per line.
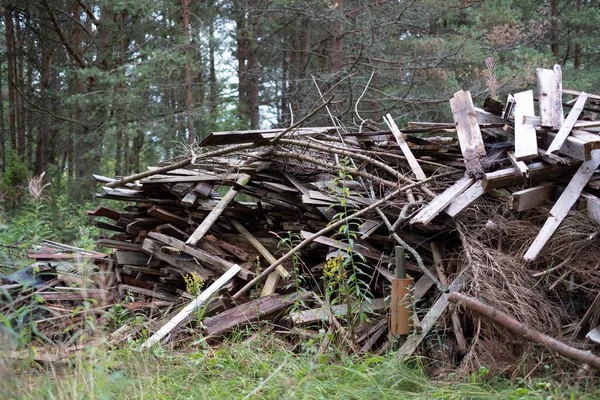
267,209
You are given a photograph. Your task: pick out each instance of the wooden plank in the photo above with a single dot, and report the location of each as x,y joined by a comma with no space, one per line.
151,247
592,207
549,98
563,205
251,312
578,145
469,134
438,204
150,293
212,260
321,314
361,246
197,302
216,212
464,200
271,284
566,127
412,161
538,173
123,257
528,199
168,217
428,322
520,165
194,178
525,137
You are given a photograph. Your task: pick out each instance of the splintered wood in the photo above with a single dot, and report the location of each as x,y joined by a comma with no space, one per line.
251,230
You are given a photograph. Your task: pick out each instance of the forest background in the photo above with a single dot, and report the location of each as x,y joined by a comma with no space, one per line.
112,86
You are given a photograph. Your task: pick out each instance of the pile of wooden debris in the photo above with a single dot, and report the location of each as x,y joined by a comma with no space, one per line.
259,218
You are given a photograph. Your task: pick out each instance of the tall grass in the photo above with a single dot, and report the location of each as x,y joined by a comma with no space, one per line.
263,367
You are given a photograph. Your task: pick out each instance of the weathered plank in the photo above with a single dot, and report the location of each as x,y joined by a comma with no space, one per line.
469,135
465,199
538,173
211,260
216,212
550,97
442,201
528,199
520,165
410,157
151,247
578,145
525,138
321,314
197,302
413,341
563,205
566,127
592,207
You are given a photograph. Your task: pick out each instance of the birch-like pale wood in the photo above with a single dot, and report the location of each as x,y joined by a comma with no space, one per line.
563,205
525,138
197,302
566,127
469,134
520,165
216,212
546,94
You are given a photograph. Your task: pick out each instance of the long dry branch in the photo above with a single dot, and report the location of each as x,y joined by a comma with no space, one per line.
523,330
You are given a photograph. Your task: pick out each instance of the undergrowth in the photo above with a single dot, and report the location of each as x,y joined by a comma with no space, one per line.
259,367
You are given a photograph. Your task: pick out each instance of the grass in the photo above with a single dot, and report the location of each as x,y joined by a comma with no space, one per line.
263,367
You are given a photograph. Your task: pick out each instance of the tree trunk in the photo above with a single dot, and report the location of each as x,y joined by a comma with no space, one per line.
577,59
337,39
11,65
78,89
45,120
242,55
214,93
20,83
2,133
29,122
555,29
188,73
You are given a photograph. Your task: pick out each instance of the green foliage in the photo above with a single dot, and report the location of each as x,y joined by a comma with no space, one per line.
14,180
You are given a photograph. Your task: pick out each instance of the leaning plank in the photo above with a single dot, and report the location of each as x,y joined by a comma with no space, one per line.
442,201
523,330
550,97
412,161
469,135
273,278
214,261
465,199
429,320
564,204
251,312
530,198
525,138
216,212
197,302
566,127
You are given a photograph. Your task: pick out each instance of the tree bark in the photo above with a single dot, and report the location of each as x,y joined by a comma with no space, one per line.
555,29
11,65
523,330
337,39
188,73
242,55
214,92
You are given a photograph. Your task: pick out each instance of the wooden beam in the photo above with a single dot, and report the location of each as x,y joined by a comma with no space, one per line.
563,205
465,199
538,173
438,204
528,199
550,97
469,135
525,137
566,127
216,212
149,246
273,278
592,207
520,165
321,314
436,311
412,161
197,302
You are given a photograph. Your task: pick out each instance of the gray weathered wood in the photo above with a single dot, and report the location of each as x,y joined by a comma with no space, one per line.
216,212
412,161
442,201
412,342
566,127
530,198
465,199
197,302
321,314
469,134
563,205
